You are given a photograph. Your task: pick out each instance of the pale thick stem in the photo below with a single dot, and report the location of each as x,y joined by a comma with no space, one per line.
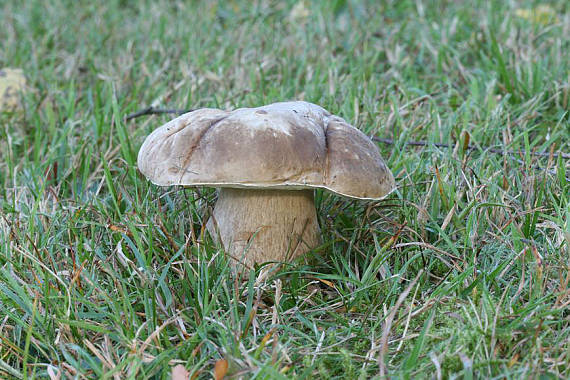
257,226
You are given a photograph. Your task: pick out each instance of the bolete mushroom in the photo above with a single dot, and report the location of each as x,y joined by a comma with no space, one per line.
266,162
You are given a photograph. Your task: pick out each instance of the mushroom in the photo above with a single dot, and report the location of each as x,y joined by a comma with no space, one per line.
266,163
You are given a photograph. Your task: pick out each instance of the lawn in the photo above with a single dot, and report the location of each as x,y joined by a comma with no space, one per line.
462,272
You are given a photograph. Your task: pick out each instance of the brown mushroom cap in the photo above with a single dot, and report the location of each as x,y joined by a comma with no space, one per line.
288,145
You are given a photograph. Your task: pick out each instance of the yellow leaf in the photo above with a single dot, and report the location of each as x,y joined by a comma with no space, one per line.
542,14
513,360
326,282
12,83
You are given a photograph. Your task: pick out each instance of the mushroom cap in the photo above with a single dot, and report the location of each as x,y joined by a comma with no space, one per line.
287,145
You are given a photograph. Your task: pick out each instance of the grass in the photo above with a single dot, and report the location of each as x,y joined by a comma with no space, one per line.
463,272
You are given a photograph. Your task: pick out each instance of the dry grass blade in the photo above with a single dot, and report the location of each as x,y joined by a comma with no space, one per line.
158,330
105,360
383,346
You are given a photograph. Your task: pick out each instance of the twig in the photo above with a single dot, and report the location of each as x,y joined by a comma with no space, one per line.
154,111
472,147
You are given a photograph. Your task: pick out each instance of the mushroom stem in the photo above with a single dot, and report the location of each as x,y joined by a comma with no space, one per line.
256,226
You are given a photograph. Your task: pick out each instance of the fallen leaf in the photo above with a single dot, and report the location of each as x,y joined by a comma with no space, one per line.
513,360
179,372
326,282
12,83
542,14
220,369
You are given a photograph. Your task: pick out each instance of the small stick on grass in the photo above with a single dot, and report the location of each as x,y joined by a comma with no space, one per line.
155,111
472,147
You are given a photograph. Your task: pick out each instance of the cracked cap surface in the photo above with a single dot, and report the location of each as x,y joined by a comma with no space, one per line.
288,145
